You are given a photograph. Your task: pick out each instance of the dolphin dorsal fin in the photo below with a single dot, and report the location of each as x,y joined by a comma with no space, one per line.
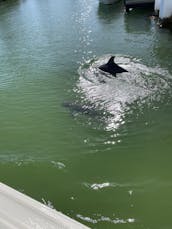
111,60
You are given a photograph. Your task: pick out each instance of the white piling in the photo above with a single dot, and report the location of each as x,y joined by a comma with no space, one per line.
157,5
165,10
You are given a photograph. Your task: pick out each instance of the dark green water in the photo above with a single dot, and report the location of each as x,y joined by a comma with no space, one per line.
107,170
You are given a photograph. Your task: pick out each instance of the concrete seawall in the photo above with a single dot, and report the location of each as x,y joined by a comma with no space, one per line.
19,211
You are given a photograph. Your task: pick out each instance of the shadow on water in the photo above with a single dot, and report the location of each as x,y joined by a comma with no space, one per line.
11,4
108,13
138,21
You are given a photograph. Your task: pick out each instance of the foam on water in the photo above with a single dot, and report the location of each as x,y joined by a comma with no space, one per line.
100,218
115,95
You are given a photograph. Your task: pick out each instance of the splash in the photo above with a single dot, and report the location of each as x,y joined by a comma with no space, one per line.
140,85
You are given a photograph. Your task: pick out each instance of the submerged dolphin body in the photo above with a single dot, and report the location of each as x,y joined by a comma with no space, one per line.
111,67
78,108
89,110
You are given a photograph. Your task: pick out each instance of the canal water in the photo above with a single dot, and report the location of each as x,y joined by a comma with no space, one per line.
92,146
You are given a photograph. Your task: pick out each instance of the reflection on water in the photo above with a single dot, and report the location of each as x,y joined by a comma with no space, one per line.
138,21
84,30
108,13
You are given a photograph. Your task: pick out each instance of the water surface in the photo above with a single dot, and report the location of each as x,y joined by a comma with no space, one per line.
94,147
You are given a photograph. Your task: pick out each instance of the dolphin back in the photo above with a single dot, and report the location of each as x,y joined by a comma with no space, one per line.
111,67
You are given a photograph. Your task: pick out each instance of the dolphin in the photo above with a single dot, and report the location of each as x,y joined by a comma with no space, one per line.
111,67
83,109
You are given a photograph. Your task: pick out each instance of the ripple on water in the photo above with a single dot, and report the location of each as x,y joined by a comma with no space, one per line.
101,218
140,85
100,186
58,164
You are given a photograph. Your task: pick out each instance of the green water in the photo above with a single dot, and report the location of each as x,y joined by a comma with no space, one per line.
105,178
